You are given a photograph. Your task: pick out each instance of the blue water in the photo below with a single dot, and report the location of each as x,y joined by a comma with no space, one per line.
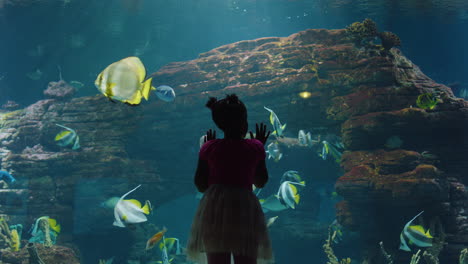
81,37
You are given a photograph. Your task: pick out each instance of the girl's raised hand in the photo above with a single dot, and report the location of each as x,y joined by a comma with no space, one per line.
261,133
210,135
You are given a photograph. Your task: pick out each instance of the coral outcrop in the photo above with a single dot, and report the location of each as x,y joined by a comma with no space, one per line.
59,90
54,254
359,92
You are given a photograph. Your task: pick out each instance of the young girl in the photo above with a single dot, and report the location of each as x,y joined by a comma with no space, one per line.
229,219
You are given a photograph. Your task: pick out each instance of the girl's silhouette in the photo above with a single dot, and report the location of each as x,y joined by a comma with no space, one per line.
229,219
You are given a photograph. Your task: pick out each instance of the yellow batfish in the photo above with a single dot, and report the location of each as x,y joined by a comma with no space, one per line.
125,81
155,239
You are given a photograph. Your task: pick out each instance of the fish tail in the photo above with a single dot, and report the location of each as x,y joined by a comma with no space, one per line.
147,208
145,90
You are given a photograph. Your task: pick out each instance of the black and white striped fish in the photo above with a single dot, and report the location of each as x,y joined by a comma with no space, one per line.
414,235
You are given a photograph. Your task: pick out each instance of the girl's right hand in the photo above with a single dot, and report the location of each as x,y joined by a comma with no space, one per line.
261,133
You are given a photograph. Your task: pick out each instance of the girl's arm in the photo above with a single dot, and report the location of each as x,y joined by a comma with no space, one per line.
261,175
201,175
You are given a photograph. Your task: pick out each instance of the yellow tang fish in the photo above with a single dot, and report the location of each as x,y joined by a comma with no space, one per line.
155,239
125,81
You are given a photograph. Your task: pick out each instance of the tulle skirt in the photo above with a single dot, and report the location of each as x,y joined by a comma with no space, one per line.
229,219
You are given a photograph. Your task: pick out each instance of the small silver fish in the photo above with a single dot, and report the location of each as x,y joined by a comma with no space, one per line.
274,151
165,93
271,220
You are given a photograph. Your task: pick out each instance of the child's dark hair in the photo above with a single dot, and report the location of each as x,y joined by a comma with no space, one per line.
229,114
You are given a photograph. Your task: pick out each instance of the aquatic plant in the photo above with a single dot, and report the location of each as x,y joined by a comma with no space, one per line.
327,248
33,255
438,242
362,32
426,101
43,233
429,258
415,258
389,40
106,261
9,238
464,256
388,257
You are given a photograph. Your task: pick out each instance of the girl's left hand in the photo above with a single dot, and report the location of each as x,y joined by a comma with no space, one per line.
210,135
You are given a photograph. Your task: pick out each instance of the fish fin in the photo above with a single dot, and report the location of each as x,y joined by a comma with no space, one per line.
109,86
62,134
261,200
76,145
280,156
297,198
67,128
302,182
135,100
132,105
53,225
153,89
147,208
161,245
283,127
428,234
293,188
274,133
146,88
118,223
135,202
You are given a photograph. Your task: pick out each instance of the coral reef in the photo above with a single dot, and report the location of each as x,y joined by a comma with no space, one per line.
362,32
33,255
9,238
10,105
59,90
389,40
39,254
327,248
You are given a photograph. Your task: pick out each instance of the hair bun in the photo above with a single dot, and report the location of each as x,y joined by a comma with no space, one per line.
211,102
232,99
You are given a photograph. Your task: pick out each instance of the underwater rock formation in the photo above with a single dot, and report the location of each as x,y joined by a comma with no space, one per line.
54,254
59,90
360,93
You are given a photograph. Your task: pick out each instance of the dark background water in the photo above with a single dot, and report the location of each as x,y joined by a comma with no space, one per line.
84,36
